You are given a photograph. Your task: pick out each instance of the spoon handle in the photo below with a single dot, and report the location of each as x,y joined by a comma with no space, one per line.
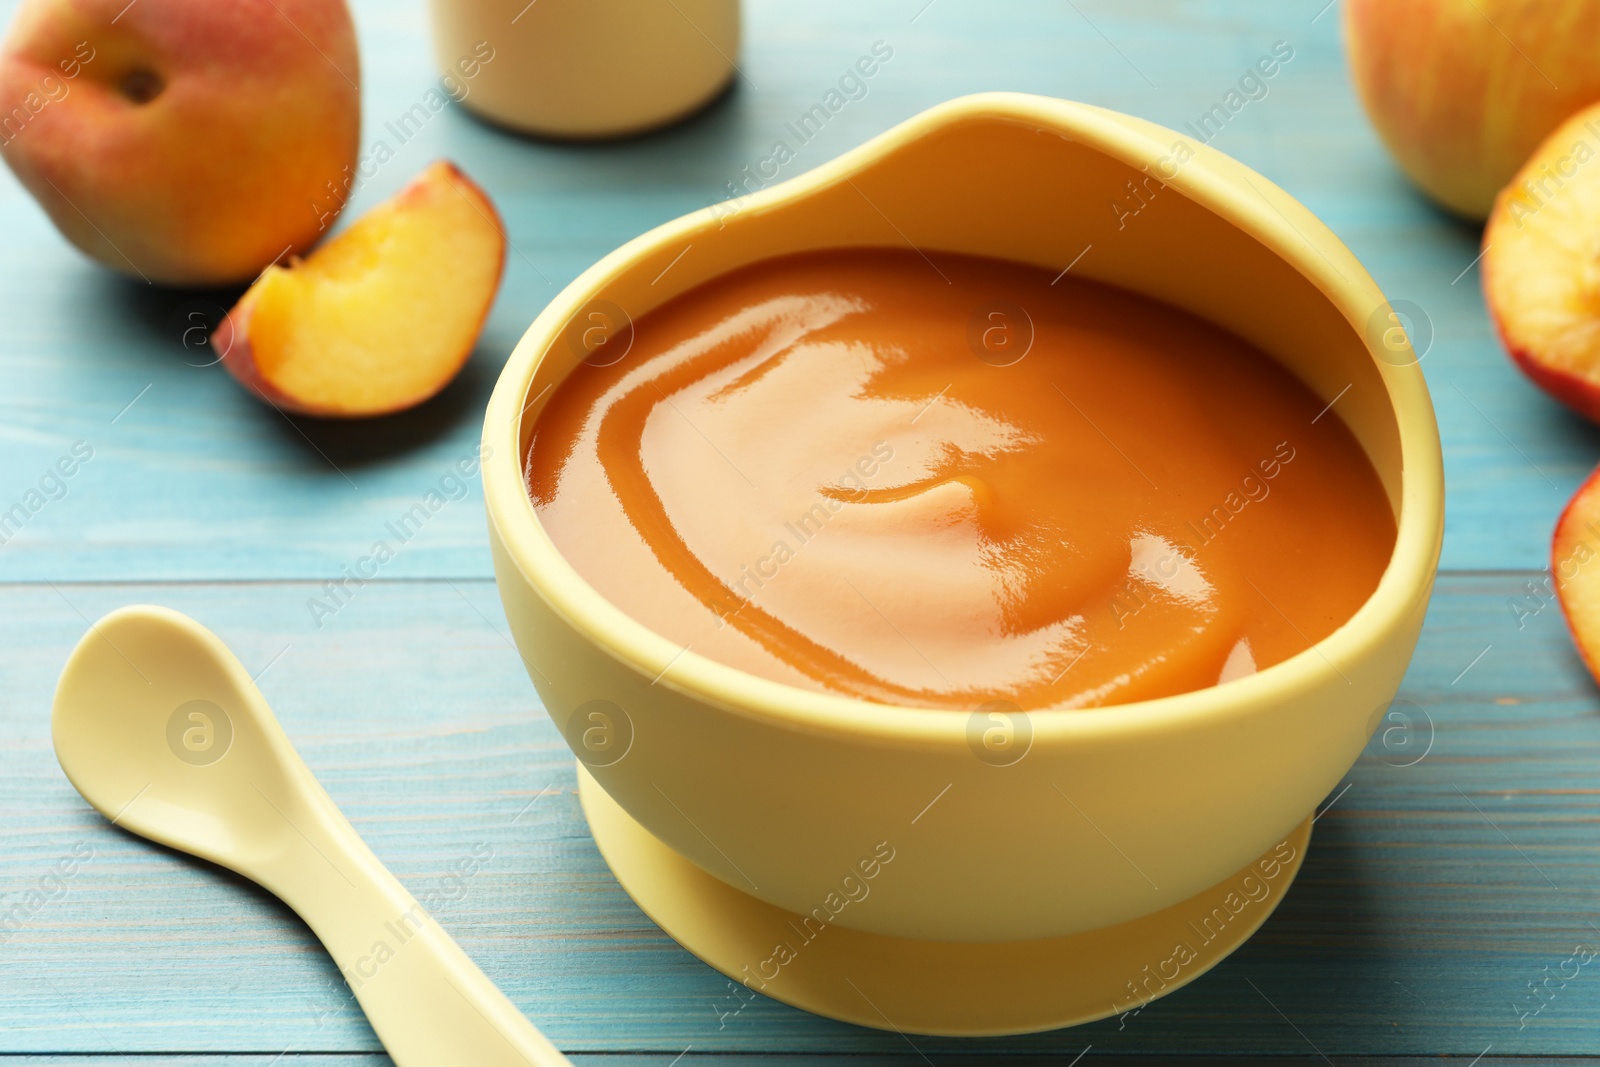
427,1001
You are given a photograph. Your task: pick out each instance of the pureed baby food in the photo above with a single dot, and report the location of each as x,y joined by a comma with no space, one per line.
941,481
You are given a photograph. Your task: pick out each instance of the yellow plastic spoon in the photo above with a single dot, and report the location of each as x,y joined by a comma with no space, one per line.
160,728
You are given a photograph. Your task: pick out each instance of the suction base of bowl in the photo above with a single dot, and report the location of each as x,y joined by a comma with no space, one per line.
937,987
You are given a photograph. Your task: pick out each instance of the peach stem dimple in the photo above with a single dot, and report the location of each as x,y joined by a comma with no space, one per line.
140,86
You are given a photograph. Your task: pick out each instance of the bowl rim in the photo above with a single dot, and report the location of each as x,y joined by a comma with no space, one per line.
1216,181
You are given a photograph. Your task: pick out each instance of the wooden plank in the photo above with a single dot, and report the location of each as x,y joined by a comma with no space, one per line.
694,1059
887,1059
374,1059
197,481
1433,894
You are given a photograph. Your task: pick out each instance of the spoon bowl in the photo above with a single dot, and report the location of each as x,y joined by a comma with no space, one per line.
160,728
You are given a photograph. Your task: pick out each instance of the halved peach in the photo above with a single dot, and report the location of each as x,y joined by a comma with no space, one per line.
1541,277
1575,569
381,317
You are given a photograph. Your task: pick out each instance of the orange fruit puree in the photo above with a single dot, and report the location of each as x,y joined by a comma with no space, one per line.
949,480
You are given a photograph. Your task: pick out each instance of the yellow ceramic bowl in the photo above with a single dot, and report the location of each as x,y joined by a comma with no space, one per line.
1112,813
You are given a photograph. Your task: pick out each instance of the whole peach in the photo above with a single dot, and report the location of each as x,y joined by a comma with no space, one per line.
1462,91
188,142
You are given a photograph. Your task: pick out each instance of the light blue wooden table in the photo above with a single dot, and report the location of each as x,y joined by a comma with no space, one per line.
1434,895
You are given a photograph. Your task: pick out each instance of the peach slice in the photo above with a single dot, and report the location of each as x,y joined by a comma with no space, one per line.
1575,569
380,318
1541,277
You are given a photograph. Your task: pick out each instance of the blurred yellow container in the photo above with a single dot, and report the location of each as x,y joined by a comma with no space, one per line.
587,68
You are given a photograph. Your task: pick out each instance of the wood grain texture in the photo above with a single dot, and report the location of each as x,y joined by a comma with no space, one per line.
1091,1057
199,481
1433,894
690,1058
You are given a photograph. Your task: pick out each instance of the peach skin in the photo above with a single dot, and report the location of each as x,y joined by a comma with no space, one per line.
183,142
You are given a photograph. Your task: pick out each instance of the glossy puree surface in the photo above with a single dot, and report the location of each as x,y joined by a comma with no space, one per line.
944,481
